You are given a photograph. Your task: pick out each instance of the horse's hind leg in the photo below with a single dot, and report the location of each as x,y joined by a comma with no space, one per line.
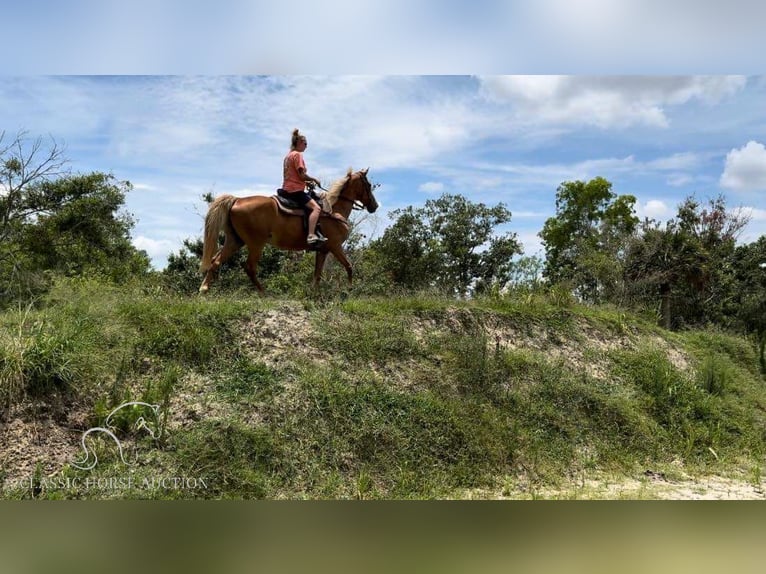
230,246
251,267
318,265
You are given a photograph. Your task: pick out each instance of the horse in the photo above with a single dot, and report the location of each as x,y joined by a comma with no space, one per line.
257,220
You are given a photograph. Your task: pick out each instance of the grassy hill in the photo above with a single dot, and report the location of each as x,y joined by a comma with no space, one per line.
364,398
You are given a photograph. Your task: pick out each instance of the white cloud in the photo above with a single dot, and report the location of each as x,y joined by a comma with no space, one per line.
654,209
745,168
678,161
609,167
679,179
157,249
605,101
753,213
531,242
144,187
431,187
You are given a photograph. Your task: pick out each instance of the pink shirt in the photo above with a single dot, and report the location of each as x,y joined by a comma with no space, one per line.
292,179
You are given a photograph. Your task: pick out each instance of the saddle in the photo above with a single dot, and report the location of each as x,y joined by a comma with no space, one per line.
290,207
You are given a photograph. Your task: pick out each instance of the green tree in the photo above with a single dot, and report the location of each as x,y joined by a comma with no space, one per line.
717,229
586,239
23,166
81,228
52,222
449,244
688,263
749,266
663,261
408,250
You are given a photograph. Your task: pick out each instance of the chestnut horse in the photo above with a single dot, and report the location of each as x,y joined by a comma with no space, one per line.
257,220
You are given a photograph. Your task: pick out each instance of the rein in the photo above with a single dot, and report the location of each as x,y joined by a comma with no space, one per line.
355,203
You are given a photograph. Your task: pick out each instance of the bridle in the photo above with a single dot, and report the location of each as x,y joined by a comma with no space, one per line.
355,203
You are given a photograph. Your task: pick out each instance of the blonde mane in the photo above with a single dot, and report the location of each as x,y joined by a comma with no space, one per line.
334,192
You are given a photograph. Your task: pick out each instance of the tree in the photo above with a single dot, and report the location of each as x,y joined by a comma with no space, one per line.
749,267
81,229
688,263
717,230
52,222
663,260
408,250
585,241
450,244
23,166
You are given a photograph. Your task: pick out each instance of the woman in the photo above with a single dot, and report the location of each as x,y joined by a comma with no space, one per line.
294,183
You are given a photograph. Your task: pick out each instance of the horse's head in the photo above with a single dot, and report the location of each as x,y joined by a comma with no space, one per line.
361,187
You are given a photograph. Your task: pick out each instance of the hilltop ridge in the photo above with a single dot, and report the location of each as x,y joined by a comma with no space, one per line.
401,397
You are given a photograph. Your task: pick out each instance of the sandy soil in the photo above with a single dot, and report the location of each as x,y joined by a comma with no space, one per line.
650,486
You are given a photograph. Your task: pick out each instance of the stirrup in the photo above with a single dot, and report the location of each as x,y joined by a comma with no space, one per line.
316,238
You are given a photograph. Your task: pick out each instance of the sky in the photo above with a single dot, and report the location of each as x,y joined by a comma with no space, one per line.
492,138
497,100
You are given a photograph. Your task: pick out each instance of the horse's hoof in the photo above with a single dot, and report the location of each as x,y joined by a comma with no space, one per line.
203,289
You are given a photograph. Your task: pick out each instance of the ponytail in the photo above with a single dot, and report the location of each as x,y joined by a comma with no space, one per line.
297,136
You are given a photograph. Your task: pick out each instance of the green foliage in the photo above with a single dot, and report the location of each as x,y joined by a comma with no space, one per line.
687,264
247,381
87,338
409,396
585,239
450,244
54,224
698,417
44,354
749,292
409,252
478,370
82,230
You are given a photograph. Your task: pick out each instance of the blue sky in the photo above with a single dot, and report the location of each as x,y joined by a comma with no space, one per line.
510,139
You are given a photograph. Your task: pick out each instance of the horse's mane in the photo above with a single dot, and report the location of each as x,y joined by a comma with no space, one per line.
334,192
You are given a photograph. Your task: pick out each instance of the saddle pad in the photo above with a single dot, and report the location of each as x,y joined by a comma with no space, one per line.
287,206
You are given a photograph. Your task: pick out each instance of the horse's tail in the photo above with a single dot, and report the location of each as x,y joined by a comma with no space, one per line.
215,221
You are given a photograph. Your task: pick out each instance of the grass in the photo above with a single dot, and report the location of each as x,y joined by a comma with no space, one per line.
405,397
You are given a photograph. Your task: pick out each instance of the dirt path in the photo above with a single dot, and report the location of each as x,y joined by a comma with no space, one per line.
651,486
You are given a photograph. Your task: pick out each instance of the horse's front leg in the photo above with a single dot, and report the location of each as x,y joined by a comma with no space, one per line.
321,256
340,255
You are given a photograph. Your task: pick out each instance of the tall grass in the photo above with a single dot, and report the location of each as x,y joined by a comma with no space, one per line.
343,431
85,338
45,353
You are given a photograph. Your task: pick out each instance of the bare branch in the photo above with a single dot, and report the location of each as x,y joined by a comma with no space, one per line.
23,165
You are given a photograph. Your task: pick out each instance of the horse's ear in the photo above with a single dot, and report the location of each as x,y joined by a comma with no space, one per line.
365,170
